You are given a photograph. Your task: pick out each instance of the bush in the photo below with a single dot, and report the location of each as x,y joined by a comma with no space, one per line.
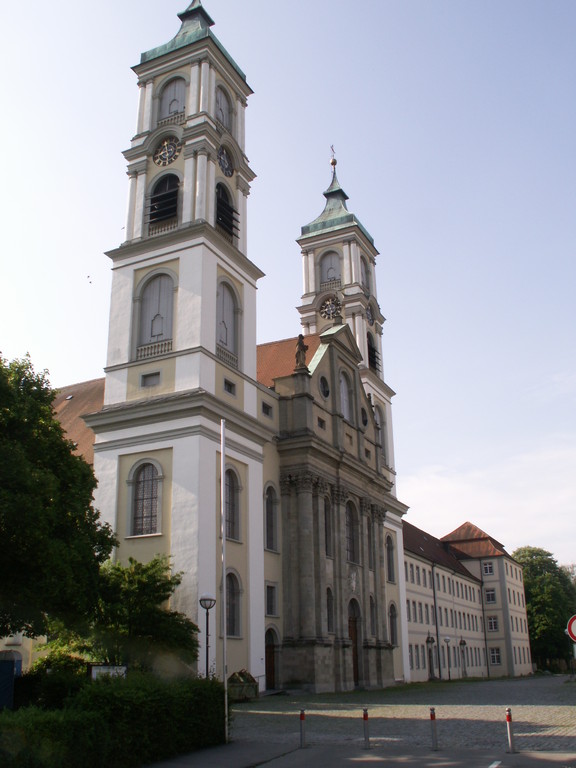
116,723
35,738
51,683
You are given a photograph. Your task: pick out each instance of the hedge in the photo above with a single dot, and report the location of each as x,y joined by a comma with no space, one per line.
116,723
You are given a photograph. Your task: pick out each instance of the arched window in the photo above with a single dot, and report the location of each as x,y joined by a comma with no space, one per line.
271,522
352,535
227,331
172,98
346,397
328,527
145,501
330,271
226,215
393,621
330,610
164,202
232,605
232,506
156,311
390,567
373,356
223,111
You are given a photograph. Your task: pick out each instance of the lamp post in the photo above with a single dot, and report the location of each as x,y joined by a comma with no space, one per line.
207,602
430,647
447,641
462,645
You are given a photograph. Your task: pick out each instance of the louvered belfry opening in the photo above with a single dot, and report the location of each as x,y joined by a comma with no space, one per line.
164,201
226,215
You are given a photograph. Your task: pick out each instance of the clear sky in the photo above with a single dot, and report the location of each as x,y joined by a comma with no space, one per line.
454,123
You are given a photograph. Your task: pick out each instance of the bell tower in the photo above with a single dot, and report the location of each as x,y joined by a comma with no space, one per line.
339,259
339,276
182,339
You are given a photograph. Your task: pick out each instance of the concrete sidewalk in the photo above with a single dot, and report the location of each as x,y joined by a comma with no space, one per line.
250,755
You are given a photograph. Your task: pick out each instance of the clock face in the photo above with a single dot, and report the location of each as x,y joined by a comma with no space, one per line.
167,151
225,162
331,308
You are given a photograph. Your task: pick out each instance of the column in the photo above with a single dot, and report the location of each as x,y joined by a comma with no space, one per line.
141,106
339,497
140,203
204,86
193,90
147,118
211,191
347,276
240,123
289,547
212,91
305,565
189,185
201,171
355,263
242,207
133,176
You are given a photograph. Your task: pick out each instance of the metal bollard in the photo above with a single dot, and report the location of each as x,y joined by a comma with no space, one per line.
302,728
509,729
366,730
434,731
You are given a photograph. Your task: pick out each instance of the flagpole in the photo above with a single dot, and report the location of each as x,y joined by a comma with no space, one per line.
224,595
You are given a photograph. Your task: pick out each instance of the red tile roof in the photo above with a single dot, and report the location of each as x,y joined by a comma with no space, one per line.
435,550
471,541
70,404
278,358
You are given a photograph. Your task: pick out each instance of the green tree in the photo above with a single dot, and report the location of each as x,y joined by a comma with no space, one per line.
550,601
52,542
133,624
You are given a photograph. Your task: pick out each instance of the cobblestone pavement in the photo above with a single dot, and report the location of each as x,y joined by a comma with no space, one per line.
469,715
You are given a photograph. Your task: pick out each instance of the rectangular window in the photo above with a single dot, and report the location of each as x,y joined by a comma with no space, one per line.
495,656
488,568
443,583
271,609
408,610
411,657
420,616
427,614
424,578
321,423
267,410
411,573
490,595
229,387
417,574
150,379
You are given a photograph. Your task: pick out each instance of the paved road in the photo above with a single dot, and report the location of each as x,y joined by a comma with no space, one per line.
470,720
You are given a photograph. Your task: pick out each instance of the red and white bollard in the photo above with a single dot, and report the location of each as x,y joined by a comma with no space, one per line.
509,729
433,727
302,728
366,729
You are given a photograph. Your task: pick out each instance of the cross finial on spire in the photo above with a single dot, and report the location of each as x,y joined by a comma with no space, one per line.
333,160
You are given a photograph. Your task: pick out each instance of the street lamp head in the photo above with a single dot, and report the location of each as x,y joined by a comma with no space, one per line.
207,602
429,640
462,643
447,640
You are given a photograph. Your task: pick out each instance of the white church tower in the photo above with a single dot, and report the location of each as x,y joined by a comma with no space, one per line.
182,341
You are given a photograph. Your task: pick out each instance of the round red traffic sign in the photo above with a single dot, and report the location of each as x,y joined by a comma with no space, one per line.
571,628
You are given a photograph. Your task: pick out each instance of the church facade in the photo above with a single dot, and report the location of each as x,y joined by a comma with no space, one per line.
291,439
312,524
